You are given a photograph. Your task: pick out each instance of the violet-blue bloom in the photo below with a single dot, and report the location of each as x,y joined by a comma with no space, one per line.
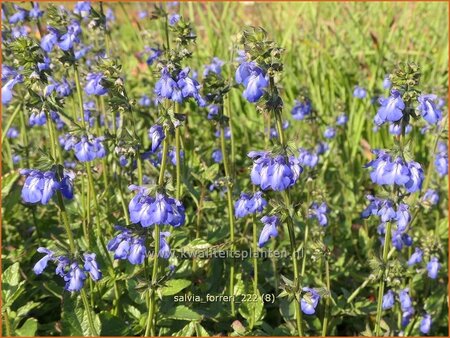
319,212
433,267
40,266
67,40
93,84
359,92
428,109
391,109
388,300
431,197
301,109
416,257
156,135
330,132
164,248
425,323
270,229
49,40
91,266
75,278
309,301
217,156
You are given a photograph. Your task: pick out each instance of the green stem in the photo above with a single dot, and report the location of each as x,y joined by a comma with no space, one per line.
305,240
327,301
150,329
387,239
89,314
230,214
290,225
178,159
10,121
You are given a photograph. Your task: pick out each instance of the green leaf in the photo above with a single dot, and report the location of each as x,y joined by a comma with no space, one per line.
28,329
11,285
173,286
8,181
200,330
187,331
74,318
182,312
112,325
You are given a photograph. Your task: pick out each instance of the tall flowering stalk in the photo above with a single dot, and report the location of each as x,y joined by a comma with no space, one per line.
278,170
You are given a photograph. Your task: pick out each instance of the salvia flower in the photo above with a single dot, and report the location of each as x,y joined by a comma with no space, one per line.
254,80
164,248
93,84
309,301
173,19
137,251
82,8
12,132
387,82
37,118
425,323
49,40
431,197
89,149
388,300
39,186
391,109
156,135
154,55
416,257
359,92
217,156
74,275
428,109
330,132
161,209
270,229
307,158
215,66
247,204
342,119
274,172
319,212
18,16
405,299
441,163
7,89
36,12
301,109
67,40
396,129
433,267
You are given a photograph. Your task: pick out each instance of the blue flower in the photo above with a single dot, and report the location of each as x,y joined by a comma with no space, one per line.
36,12
81,52
49,40
39,186
416,177
257,203
145,101
173,19
391,109
37,119
386,211
428,109
319,212
342,119
91,266
215,66
441,164
243,71
40,266
387,82
321,148
403,217
7,89
425,323
405,299
123,161
66,41
307,158
407,315
155,53
433,267
330,132
269,231
241,208
388,300
75,278
166,87
66,184
373,208
156,135
309,301
280,174
416,257
164,248
12,132
213,111
301,109
120,244
189,87
217,155
431,197
85,150
256,83
359,92
82,8
18,16
93,84
396,129
161,210
137,251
